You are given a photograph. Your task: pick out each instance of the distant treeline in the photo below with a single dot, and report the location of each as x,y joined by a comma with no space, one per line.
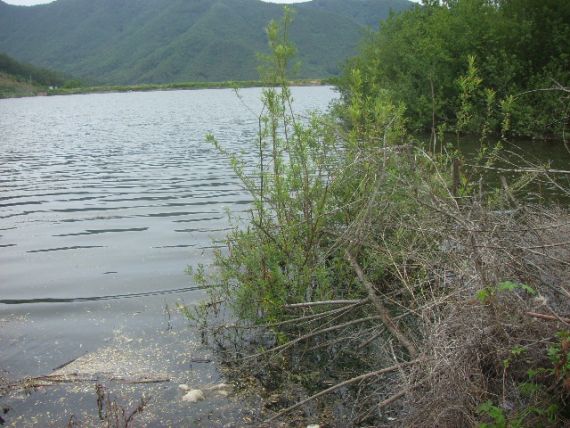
29,73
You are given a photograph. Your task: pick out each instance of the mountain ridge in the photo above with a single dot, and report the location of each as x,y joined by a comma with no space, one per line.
158,41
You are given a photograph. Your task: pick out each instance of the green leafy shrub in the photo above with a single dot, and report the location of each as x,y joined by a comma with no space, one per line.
521,47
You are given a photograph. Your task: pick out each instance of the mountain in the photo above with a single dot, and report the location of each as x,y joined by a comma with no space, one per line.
157,41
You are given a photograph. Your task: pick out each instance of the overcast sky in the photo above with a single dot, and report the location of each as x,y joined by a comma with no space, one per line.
32,2
26,2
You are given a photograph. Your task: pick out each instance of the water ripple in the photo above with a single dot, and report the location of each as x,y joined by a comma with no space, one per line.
76,247
119,183
100,231
98,298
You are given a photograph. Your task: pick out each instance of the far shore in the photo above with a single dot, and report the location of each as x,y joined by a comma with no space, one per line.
163,87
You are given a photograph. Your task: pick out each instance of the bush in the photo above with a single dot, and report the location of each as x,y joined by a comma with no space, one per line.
378,265
521,46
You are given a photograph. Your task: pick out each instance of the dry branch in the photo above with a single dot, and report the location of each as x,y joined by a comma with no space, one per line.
324,302
522,170
313,334
401,393
548,317
345,383
320,315
382,310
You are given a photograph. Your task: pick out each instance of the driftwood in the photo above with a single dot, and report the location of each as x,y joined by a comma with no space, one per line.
57,379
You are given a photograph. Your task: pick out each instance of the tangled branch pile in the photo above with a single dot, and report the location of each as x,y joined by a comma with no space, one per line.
379,283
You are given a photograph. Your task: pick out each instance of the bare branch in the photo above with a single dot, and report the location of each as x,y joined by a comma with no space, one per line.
325,302
548,317
313,334
345,383
521,170
400,394
382,310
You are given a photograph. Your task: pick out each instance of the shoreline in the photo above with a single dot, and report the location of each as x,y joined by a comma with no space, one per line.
103,89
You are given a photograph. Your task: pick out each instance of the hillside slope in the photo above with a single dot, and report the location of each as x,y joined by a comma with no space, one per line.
156,41
19,80
363,12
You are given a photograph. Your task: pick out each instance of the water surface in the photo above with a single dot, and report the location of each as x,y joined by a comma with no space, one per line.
105,199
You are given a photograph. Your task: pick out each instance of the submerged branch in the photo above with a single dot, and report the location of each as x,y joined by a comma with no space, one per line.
313,334
345,383
56,379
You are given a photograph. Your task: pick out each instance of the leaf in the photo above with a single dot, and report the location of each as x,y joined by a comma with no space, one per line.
529,389
507,286
529,289
518,350
483,295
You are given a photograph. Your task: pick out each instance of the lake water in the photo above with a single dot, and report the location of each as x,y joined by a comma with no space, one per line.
105,199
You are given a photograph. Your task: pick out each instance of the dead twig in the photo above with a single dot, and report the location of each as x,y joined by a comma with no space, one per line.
324,302
313,334
401,394
548,317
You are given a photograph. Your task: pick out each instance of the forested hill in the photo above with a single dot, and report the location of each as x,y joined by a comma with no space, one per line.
155,41
17,79
364,12
26,72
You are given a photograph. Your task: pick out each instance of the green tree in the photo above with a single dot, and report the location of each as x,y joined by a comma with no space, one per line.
520,46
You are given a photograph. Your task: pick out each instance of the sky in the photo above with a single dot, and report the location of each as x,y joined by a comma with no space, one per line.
26,2
33,2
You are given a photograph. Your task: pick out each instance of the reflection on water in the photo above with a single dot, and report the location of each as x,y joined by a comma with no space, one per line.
105,199
518,156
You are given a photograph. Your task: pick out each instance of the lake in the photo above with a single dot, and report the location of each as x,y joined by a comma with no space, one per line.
105,199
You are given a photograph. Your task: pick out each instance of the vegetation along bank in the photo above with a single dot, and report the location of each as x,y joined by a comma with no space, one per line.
380,280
